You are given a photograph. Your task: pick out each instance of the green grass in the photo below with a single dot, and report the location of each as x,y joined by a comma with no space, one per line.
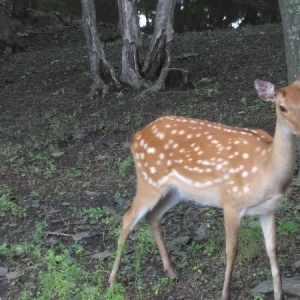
145,245
65,279
8,207
60,275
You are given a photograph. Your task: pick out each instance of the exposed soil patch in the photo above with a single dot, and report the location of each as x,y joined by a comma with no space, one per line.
62,154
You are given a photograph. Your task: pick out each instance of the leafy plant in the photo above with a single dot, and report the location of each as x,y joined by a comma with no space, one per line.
95,213
194,247
78,249
159,286
72,174
4,250
125,164
9,207
287,227
211,213
117,293
208,250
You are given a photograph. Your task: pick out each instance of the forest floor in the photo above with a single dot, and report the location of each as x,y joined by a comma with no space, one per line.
67,176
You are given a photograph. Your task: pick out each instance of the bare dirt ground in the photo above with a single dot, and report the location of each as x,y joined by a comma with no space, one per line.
63,156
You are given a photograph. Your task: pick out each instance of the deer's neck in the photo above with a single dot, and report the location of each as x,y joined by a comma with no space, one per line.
282,155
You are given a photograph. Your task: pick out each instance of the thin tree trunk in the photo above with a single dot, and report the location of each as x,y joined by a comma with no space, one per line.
5,33
158,56
100,66
19,8
290,15
132,44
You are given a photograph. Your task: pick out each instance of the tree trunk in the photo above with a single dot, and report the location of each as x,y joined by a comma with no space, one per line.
19,8
5,33
100,66
158,55
132,44
290,15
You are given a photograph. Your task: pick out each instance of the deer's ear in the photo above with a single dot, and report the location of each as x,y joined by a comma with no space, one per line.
265,90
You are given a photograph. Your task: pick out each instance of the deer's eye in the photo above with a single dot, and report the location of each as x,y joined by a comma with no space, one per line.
283,108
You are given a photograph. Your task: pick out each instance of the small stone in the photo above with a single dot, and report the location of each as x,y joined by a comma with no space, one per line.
297,207
120,201
13,275
35,204
57,154
66,204
126,145
91,193
290,286
55,211
81,235
3,271
79,136
102,255
52,241
296,265
200,234
84,227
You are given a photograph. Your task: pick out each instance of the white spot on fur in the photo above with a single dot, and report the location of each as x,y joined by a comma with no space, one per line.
246,188
152,170
245,155
161,155
218,167
160,135
245,174
254,169
151,150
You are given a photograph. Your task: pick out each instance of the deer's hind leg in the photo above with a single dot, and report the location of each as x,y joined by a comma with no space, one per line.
143,203
154,216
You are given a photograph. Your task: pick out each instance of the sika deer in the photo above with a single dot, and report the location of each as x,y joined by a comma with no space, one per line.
243,171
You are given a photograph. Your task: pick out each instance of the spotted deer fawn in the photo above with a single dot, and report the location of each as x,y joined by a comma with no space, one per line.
242,171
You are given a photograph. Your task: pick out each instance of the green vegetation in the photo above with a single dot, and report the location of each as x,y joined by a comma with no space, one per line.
143,249
63,161
61,276
8,207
